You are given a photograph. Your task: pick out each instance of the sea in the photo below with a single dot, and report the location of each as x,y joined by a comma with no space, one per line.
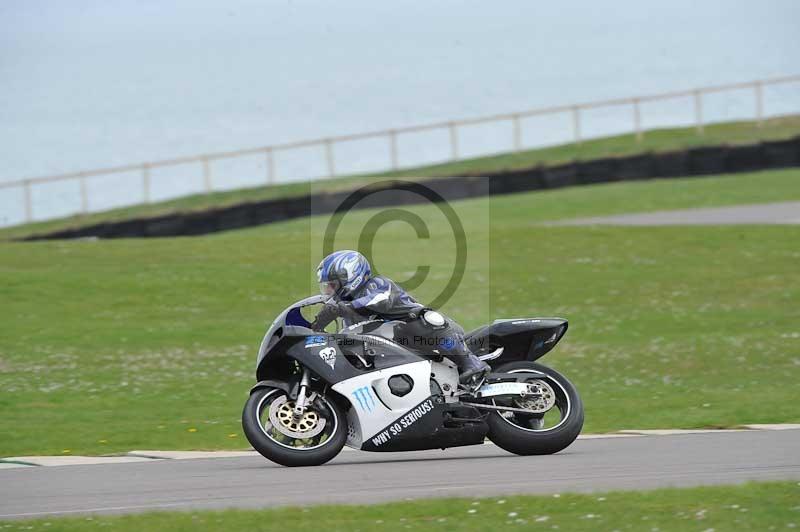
91,84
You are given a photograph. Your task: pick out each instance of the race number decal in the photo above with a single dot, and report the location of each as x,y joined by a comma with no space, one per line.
329,356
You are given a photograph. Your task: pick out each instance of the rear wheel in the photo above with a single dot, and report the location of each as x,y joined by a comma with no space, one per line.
555,418
273,431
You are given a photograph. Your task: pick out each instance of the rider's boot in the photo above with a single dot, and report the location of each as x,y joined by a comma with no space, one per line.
471,369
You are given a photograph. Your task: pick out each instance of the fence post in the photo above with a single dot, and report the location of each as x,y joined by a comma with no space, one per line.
698,111
270,166
637,120
84,196
759,91
393,148
206,174
517,133
453,141
146,182
576,123
329,157
28,202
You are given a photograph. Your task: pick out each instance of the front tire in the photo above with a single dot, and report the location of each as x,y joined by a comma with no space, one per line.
279,439
526,435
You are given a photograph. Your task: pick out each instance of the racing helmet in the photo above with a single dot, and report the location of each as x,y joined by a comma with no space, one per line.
342,273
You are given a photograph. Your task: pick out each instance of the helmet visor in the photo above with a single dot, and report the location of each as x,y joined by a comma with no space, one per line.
329,288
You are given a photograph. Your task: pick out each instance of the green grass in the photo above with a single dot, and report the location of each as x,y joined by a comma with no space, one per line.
753,506
109,346
655,140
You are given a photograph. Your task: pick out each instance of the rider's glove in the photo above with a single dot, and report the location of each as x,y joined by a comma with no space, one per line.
329,312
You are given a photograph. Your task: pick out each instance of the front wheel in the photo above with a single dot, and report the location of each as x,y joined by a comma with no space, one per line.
273,431
556,416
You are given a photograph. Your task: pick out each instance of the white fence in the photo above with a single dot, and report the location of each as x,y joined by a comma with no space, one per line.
203,164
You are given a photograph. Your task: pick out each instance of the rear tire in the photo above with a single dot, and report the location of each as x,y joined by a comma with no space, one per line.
530,441
290,452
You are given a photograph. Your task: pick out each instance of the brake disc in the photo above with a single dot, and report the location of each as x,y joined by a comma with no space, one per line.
539,399
281,414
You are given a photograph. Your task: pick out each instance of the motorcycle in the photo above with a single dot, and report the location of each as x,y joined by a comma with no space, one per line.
368,387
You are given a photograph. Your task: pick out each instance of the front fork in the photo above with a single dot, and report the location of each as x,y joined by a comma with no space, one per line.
300,403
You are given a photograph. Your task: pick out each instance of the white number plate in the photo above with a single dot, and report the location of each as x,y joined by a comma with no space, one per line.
503,388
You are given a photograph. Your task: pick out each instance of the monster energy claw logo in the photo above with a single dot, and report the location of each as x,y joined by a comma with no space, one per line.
364,397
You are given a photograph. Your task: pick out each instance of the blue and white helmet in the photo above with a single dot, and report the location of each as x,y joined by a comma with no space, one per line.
342,273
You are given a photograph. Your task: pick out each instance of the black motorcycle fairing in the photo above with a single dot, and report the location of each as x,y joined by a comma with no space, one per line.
430,425
289,322
332,357
522,339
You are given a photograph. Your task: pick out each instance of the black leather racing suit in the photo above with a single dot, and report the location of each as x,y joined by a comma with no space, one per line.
382,298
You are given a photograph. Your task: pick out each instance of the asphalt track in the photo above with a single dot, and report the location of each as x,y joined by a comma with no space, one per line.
767,213
631,463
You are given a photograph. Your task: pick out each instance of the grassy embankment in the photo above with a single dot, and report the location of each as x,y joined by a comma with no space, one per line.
654,140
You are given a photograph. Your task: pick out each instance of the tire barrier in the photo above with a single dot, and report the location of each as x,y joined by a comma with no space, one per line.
691,162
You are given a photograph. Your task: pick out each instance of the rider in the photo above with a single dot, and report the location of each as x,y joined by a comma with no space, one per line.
346,277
